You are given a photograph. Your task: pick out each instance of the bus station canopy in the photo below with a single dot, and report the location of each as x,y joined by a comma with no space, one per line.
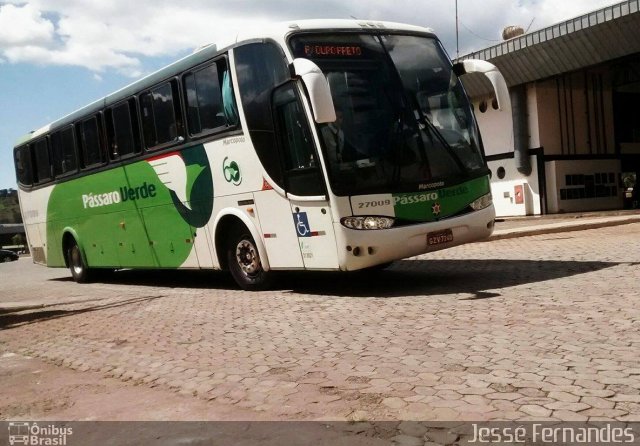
606,34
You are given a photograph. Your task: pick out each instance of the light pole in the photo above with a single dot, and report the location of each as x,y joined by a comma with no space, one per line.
457,34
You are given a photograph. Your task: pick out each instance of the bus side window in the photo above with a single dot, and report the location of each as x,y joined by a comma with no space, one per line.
42,160
63,149
122,126
229,99
210,105
22,158
90,143
260,68
161,120
303,176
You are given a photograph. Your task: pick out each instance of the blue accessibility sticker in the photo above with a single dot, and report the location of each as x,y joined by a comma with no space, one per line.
301,221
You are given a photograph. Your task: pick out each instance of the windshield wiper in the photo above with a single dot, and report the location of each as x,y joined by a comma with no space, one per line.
421,118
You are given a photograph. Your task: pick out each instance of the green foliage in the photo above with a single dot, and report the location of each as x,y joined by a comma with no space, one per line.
18,239
10,210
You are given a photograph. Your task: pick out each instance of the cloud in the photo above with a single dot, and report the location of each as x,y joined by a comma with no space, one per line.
93,58
24,26
119,34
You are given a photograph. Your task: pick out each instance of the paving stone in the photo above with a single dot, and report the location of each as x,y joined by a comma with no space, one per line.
394,403
561,405
406,440
612,413
294,352
535,411
626,398
567,415
564,396
598,403
503,396
412,429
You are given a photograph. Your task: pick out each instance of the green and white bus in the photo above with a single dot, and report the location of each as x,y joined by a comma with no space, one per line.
316,145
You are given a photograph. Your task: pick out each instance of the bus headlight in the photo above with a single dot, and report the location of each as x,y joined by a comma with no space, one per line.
482,202
368,223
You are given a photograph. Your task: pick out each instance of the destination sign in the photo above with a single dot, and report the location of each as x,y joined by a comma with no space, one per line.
332,51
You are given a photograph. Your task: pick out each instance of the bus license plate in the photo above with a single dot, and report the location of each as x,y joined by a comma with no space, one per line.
439,238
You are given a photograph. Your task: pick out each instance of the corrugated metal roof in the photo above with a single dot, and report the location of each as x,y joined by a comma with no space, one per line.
606,34
11,229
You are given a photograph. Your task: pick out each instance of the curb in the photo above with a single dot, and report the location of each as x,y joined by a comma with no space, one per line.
559,228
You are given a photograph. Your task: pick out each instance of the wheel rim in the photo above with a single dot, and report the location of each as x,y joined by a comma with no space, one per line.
76,261
248,258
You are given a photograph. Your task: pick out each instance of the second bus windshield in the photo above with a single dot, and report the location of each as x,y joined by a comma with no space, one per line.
403,118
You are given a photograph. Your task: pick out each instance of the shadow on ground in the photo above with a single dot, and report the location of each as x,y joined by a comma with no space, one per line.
480,279
403,279
442,277
13,319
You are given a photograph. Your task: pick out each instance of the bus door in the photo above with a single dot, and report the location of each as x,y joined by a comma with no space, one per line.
137,186
304,181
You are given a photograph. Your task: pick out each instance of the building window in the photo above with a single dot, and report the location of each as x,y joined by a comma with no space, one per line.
586,187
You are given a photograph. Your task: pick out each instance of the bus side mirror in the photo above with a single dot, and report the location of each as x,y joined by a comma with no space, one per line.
318,88
494,75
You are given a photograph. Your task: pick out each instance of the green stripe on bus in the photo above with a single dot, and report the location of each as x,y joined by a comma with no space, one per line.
436,205
126,217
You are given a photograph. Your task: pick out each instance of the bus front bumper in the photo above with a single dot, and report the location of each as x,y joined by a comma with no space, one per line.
362,249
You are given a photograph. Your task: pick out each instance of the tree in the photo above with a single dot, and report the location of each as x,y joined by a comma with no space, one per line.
17,240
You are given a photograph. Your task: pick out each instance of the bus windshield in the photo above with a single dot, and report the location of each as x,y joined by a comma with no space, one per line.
403,121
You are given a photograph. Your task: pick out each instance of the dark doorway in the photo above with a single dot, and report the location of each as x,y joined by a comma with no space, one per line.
626,100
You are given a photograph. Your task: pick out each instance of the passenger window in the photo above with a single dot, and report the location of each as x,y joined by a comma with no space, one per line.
22,158
63,149
210,100
229,100
261,67
204,100
123,130
43,165
91,143
160,115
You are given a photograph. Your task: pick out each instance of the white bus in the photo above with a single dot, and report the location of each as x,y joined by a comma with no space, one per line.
316,145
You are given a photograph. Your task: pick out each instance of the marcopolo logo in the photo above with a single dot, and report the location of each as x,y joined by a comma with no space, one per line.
33,434
125,193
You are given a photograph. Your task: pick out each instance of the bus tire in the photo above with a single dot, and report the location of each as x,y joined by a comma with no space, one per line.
244,262
80,272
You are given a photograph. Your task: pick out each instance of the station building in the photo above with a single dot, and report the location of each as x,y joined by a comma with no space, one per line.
571,142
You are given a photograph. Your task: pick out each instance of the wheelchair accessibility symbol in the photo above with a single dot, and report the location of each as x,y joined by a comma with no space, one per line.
301,221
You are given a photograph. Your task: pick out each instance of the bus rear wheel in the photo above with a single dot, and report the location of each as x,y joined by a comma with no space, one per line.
245,264
78,267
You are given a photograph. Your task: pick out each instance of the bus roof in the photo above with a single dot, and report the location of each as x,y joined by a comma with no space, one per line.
276,31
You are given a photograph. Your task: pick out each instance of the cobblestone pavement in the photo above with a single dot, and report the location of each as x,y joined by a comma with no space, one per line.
536,328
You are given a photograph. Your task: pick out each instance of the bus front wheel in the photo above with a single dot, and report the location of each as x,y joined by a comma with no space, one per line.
245,264
78,267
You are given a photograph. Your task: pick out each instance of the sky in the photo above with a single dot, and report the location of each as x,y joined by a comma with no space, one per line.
59,55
